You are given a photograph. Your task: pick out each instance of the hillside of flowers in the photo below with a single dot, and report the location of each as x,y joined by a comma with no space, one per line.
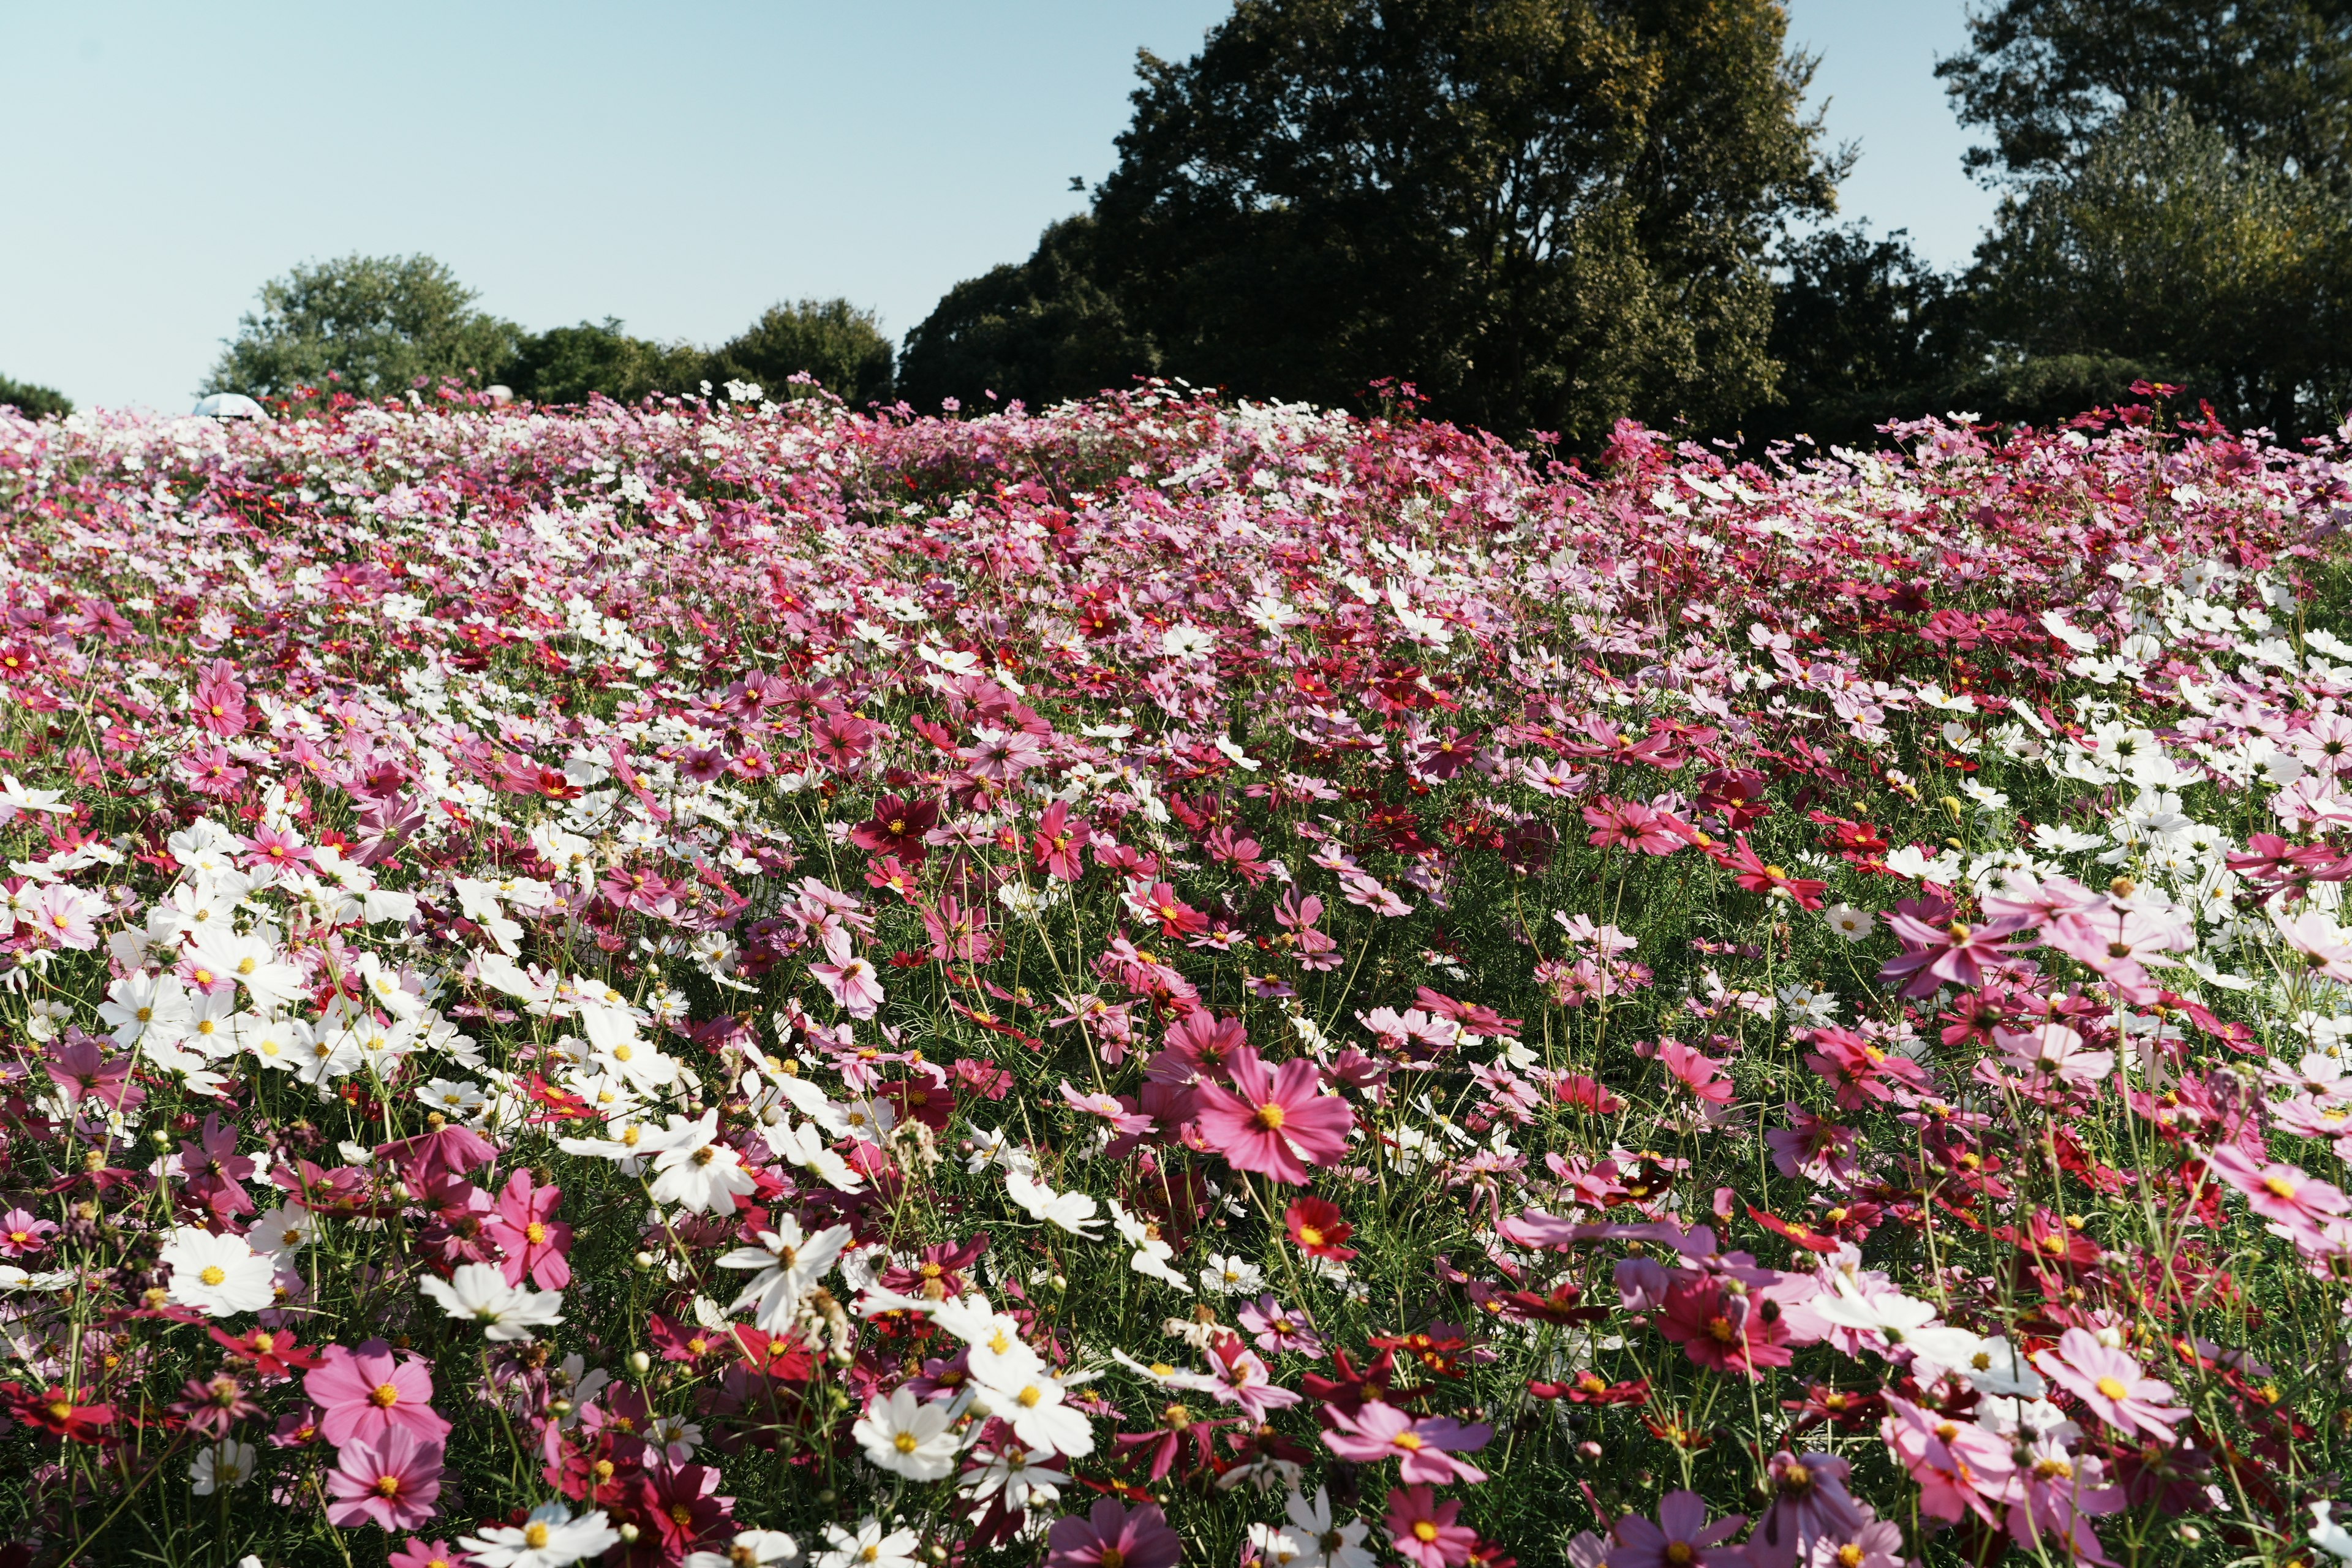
736,983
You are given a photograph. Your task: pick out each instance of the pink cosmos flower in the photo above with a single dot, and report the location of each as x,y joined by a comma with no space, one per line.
1724,1329
2280,1193
2057,1491
1274,1329
1696,1071
1274,1123
1422,1530
22,1234
854,985
1810,1504
419,1553
392,1480
2111,1384
1114,1536
66,916
1240,1377
2055,1051
534,1241
367,1393
1958,956
1958,1466
1681,1537
1380,1431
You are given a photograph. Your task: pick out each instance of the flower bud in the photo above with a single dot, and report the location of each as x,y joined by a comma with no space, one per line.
640,1362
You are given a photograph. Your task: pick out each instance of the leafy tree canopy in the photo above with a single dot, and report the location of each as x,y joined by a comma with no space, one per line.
2048,77
34,402
375,325
832,340
1040,330
566,365
2167,245
1545,214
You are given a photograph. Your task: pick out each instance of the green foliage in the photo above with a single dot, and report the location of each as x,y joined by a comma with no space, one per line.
2166,246
2050,77
832,340
34,402
371,325
565,364
1543,215
1863,330
1040,330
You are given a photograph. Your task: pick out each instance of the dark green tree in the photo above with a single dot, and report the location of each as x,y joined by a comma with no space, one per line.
2048,77
34,402
1040,330
1546,215
2167,247
832,340
565,364
1864,330
371,325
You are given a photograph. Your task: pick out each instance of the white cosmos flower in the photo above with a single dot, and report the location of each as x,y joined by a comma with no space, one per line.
749,1549
283,1229
217,1274
221,1466
1854,924
1035,1408
907,1437
790,1265
479,1292
1074,1212
549,1537
869,1545
697,1171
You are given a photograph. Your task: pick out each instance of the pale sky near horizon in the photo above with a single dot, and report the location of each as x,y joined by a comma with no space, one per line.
681,168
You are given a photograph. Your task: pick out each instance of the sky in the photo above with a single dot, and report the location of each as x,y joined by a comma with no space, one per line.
680,167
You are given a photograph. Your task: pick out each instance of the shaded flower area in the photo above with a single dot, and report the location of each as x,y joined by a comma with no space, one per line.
1168,982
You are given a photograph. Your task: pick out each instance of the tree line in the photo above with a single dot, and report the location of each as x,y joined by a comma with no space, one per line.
1548,214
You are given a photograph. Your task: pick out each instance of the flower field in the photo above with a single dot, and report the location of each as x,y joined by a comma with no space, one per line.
739,982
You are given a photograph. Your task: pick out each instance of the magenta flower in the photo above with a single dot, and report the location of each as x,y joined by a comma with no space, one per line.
1422,1530
393,1481
534,1239
369,1393
1682,1537
1380,1431
1276,1123
1958,956
22,1234
1114,1536
2111,1384
418,1552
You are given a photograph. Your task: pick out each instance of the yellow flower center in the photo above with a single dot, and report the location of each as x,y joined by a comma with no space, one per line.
214,1274
2113,1388
1269,1116
383,1396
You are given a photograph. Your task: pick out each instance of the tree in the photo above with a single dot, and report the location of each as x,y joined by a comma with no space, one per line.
565,364
34,402
375,325
840,345
1545,214
1864,330
1040,330
2048,77
2169,246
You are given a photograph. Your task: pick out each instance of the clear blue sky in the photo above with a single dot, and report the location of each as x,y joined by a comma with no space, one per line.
682,167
